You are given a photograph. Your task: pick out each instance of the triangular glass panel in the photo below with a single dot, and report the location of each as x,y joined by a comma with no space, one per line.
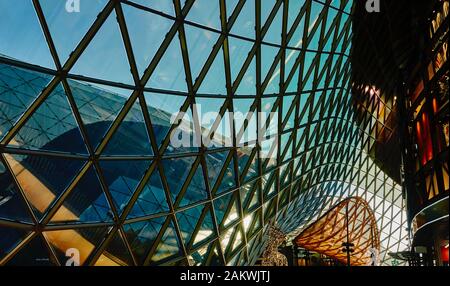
252,170
314,39
238,239
348,6
205,12
245,134
296,41
223,134
273,34
273,84
163,109
169,246
289,62
231,5
269,152
116,253
245,21
208,110
187,220
316,9
247,85
269,210
288,106
214,81
211,251
333,32
268,54
23,40
51,127
266,8
256,224
341,34
59,22
238,51
309,63
348,46
233,215
122,178
96,61
152,199
308,80
177,170
244,155
332,15
294,9
230,240
215,163
190,219
141,236
98,106
10,238
243,259
199,45
186,135
196,190
323,72
131,137
293,84
304,109
18,89
85,203
145,39
69,243
248,221
12,204
228,181
43,178
205,232
169,73
247,193
269,110
222,205
34,253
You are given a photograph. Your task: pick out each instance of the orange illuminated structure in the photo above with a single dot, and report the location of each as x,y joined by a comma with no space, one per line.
350,221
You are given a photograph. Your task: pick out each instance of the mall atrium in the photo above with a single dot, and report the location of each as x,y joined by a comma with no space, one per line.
224,132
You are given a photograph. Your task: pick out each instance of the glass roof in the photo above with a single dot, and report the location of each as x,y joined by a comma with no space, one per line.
95,101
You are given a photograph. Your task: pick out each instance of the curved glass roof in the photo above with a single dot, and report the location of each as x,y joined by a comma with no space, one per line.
99,98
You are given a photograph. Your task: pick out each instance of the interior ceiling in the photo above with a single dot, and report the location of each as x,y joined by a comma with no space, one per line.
350,221
386,49
178,205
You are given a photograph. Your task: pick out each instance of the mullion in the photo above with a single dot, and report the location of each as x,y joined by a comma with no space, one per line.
47,34
98,249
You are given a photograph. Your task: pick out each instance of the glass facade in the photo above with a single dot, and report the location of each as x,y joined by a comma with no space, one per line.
95,97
